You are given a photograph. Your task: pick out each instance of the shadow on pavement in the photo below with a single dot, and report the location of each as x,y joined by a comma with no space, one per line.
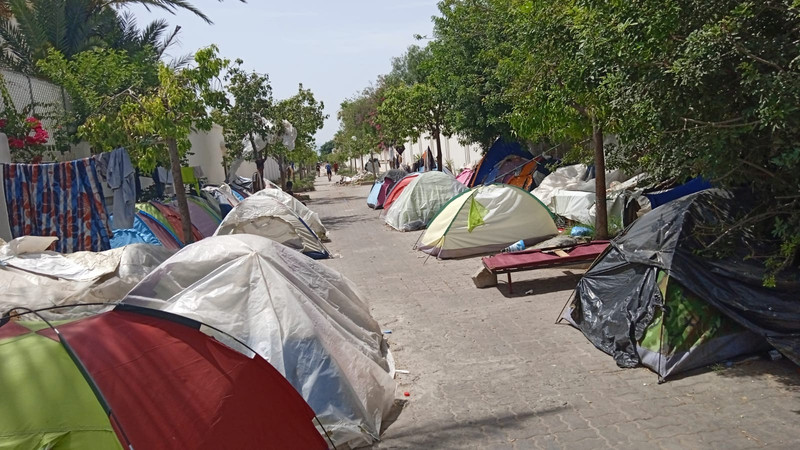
339,222
437,435
783,371
344,198
568,281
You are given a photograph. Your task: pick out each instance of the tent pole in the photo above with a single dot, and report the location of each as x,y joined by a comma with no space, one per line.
563,308
417,241
661,356
325,431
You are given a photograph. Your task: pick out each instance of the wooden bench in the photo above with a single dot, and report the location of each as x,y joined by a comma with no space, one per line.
533,259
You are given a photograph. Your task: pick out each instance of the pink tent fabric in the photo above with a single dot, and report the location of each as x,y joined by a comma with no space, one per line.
464,177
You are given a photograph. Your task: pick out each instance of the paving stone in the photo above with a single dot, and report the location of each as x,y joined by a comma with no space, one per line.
489,369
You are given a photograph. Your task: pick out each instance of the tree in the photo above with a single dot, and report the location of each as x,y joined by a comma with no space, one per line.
93,77
151,122
251,115
713,88
70,27
408,110
554,73
326,149
471,37
359,131
306,115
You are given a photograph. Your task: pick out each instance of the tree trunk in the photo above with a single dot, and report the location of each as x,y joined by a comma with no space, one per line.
283,174
372,164
601,212
437,134
180,191
257,156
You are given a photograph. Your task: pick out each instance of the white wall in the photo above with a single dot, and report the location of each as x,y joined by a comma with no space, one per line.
271,170
206,152
460,155
208,148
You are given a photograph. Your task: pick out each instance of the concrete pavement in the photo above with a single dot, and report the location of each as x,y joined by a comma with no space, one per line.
492,370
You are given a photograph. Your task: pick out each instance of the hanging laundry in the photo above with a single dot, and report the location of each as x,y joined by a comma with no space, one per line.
121,179
59,199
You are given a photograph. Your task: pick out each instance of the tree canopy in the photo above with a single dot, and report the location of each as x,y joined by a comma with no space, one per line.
689,88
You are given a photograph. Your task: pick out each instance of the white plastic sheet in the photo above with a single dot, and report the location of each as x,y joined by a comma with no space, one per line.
567,194
33,278
306,319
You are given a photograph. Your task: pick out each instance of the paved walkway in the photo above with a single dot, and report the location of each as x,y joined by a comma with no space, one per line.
492,370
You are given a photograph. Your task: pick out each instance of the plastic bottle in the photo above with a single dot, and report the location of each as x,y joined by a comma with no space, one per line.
515,247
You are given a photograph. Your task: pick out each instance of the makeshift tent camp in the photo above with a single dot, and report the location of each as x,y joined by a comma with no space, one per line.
398,189
421,199
487,219
651,299
132,378
306,319
372,198
309,217
265,216
390,179
497,153
36,278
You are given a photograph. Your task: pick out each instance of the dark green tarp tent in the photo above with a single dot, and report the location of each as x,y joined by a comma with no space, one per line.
652,299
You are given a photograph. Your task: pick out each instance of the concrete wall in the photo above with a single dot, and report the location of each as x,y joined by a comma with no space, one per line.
207,150
459,155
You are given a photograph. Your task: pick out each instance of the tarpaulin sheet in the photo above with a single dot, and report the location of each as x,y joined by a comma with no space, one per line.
618,296
39,279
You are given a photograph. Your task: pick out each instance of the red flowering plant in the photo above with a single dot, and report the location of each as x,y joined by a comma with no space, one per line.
27,138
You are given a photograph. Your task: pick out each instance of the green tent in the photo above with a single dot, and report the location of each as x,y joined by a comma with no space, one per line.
76,420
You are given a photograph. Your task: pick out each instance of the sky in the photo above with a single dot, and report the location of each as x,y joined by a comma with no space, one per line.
336,48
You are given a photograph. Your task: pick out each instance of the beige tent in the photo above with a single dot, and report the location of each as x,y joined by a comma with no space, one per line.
486,219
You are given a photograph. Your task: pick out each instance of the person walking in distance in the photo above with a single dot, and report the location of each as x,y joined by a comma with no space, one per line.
328,170
336,168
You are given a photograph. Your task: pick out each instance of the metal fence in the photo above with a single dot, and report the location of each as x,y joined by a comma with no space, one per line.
37,97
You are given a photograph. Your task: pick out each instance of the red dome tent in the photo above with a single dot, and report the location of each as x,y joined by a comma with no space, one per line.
140,379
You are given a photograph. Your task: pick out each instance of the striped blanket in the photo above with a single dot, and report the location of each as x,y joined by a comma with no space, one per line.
59,199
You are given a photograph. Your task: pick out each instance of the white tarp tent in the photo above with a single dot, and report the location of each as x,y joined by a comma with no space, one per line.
487,219
306,319
266,216
34,278
421,199
309,217
570,193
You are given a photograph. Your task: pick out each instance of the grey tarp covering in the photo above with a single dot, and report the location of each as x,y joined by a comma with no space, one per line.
306,319
617,298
